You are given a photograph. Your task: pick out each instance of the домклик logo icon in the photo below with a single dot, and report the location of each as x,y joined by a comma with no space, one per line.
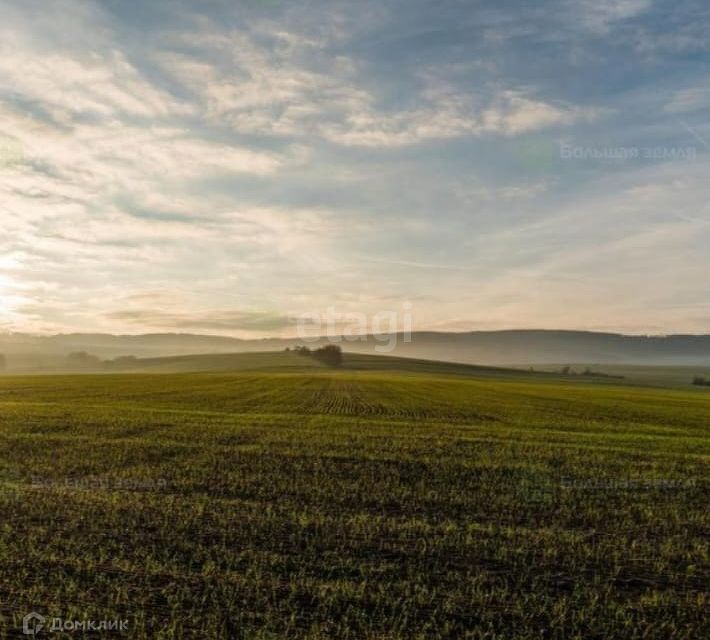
32,623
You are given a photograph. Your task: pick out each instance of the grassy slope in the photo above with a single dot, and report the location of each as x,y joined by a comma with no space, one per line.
292,361
660,375
265,361
356,504
663,376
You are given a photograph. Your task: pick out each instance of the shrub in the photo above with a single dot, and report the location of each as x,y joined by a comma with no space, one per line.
330,354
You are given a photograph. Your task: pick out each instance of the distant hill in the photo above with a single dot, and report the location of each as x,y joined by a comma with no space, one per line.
480,347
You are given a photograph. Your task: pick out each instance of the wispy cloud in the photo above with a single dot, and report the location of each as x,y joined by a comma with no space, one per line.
248,158
262,90
220,321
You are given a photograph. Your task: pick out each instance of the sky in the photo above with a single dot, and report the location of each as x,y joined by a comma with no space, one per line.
229,167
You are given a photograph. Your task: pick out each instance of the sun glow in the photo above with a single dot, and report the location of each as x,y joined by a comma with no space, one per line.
5,296
8,288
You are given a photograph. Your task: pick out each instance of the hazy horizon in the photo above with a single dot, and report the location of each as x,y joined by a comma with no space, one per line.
324,335
224,168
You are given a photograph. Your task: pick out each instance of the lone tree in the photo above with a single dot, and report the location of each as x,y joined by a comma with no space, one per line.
3,362
330,354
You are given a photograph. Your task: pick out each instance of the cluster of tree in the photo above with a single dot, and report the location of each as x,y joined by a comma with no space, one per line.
701,382
568,371
600,374
330,354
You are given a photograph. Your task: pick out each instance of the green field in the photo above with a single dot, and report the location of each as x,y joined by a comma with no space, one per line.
385,500
659,375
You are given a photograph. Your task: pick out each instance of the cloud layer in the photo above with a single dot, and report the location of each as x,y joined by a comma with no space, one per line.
219,168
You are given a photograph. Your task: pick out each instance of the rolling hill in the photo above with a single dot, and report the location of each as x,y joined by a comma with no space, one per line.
480,347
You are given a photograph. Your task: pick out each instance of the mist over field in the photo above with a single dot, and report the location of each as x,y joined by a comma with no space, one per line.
28,352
